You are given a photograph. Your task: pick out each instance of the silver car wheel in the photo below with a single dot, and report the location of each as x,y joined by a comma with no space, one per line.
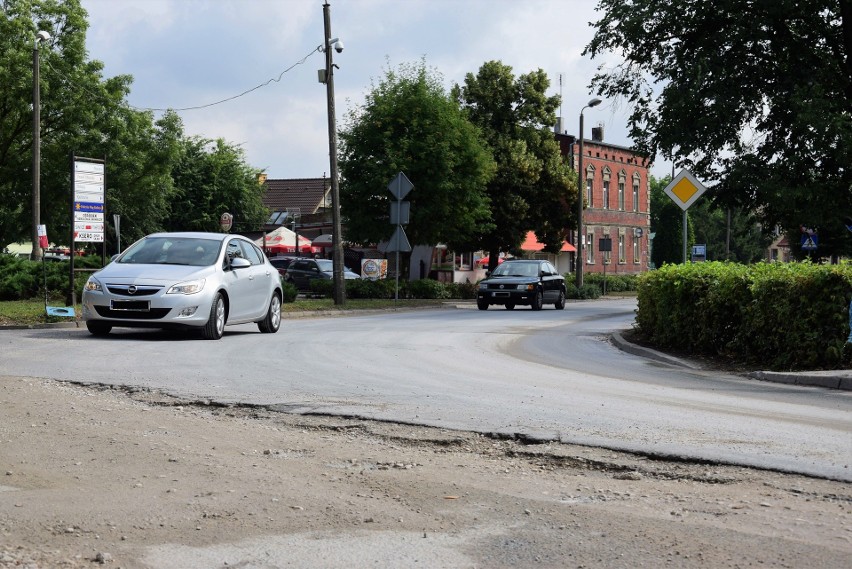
220,316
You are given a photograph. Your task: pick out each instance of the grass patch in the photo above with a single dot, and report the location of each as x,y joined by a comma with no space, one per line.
30,312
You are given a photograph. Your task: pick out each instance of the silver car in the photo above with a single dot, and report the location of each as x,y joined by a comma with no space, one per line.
185,280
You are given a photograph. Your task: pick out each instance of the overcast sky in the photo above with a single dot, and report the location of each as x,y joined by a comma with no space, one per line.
191,53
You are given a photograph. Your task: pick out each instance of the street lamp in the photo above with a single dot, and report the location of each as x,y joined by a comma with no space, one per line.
36,206
581,187
327,77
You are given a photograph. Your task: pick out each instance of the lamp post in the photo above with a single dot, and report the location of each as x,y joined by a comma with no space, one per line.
581,187
328,79
36,205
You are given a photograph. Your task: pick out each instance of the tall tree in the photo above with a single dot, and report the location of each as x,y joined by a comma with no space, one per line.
82,113
409,124
730,234
755,97
211,178
534,189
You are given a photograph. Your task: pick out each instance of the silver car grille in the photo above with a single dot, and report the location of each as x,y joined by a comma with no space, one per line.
133,290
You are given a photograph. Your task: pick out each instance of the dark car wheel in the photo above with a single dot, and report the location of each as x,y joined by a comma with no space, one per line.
272,320
510,306
215,326
482,304
560,302
537,301
98,328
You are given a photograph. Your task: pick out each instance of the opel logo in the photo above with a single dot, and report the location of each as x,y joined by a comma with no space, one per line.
131,289
502,286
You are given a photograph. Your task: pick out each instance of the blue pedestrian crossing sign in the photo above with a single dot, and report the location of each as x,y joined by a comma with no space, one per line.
810,241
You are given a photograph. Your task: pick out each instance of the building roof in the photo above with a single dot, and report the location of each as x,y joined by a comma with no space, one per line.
307,195
531,243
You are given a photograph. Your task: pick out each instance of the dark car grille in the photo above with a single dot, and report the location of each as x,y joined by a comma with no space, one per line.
504,286
137,290
153,314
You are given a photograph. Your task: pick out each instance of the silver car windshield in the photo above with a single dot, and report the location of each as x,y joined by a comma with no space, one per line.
187,251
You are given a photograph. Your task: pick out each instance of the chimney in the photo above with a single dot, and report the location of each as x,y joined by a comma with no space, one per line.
597,133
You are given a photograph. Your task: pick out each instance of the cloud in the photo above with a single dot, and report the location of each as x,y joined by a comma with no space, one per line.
188,53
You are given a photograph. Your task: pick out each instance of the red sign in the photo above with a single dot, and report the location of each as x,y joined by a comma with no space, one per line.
226,221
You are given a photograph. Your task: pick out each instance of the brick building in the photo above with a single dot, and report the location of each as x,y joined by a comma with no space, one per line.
618,202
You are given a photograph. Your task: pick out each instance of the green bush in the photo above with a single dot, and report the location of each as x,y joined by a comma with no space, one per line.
571,290
782,316
288,291
367,288
614,282
589,291
428,288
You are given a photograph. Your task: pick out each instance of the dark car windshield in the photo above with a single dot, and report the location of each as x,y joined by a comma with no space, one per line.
172,251
510,269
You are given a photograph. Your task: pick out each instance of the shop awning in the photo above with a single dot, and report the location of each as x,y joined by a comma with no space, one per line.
532,244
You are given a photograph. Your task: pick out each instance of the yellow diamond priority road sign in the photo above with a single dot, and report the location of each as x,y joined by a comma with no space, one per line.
685,189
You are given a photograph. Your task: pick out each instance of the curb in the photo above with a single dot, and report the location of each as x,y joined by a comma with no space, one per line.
840,379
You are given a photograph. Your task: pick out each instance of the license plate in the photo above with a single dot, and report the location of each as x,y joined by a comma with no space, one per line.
501,294
134,305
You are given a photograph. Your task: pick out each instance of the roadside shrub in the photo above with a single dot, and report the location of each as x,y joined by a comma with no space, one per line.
367,288
571,290
589,291
465,290
288,291
428,288
322,287
782,316
614,282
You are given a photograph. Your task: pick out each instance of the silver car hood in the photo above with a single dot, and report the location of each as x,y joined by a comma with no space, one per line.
127,273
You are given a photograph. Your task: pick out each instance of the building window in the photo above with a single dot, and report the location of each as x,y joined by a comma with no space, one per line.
590,176
621,195
606,194
636,192
621,258
590,247
636,255
606,256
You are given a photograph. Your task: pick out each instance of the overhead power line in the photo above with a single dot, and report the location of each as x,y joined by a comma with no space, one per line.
204,106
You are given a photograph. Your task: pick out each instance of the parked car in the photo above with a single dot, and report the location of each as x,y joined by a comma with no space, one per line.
521,281
302,271
200,281
281,263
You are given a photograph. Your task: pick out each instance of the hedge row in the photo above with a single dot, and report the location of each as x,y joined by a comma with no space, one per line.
386,289
782,316
22,279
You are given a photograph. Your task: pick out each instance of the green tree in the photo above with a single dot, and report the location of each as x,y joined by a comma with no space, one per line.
534,189
409,124
755,98
667,226
82,113
730,234
211,178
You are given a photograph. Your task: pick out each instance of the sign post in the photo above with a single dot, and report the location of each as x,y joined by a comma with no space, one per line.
88,190
684,190
399,215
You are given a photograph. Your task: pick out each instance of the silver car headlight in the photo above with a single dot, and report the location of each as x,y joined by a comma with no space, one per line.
189,287
93,285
